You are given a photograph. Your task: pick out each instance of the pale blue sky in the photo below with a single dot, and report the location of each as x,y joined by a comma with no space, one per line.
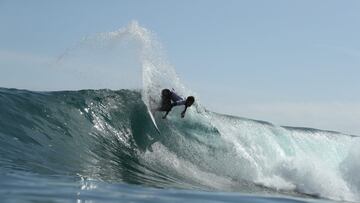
288,62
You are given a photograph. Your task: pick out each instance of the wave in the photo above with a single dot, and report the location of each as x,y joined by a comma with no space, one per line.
106,135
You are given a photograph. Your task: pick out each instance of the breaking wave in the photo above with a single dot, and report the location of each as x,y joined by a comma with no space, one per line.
108,135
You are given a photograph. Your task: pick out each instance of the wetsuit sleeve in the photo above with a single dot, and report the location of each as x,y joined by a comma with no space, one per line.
177,100
175,97
178,103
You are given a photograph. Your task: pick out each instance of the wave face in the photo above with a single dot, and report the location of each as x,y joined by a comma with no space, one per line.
106,135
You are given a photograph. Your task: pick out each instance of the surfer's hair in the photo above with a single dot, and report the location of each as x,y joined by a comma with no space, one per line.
166,92
190,100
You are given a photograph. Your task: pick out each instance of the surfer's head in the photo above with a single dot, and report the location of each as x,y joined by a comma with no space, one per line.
189,101
165,93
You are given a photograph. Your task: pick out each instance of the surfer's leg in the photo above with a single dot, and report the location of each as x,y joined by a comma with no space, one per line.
165,114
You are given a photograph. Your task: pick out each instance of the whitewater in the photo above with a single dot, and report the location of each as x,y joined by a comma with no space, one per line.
99,145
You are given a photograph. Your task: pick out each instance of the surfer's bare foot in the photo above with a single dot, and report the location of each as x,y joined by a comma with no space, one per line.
183,114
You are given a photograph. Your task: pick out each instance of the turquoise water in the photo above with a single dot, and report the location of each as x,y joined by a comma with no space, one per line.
25,187
95,146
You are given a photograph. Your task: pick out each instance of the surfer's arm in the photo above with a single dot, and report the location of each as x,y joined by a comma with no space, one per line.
175,98
178,103
183,112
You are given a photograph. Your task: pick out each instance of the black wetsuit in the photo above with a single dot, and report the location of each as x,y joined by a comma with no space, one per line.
170,99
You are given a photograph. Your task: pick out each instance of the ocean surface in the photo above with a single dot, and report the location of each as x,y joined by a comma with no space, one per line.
101,146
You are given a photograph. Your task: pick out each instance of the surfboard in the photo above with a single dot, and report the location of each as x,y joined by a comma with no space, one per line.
153,121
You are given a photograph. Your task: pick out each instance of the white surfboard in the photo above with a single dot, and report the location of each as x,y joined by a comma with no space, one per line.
153,120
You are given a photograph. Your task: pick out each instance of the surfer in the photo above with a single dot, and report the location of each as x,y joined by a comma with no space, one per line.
169,99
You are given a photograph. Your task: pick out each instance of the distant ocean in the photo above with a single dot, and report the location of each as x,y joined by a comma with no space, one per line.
100,145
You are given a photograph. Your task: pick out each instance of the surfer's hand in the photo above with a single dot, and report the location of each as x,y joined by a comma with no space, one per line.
182,114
